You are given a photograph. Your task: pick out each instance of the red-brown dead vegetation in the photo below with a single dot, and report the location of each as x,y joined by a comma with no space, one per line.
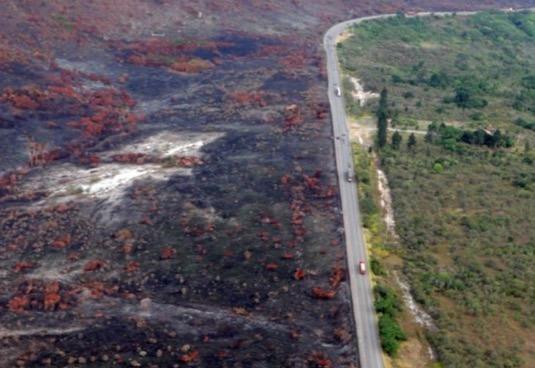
321,110
127,248
244,98
194,228
23,266
51,296
44,296
272,266
319,360
39,155
130,158
187,161
132,266
177,56
93,265
299,274
287,256
240,311
167,253
337,276
194,65
98,289
19,303
292,117
61,241
189,357
320,293
294,61
123,234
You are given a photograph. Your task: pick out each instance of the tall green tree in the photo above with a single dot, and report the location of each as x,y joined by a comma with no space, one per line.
382,119
412,141
382,110
396,140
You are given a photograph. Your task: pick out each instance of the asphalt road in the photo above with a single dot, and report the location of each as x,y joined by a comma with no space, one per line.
369,347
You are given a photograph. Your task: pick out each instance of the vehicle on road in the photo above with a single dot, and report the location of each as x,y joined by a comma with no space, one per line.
362,268
337,91
349,177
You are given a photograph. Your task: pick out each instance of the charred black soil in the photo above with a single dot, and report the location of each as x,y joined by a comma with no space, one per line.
169,199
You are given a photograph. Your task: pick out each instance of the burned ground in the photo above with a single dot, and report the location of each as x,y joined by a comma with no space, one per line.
168,198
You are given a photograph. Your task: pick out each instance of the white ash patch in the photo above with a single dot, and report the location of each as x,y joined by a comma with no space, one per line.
80,66
359,94
421,317
110,181
107,181
55,272
89,85
386,202
167,144
45,331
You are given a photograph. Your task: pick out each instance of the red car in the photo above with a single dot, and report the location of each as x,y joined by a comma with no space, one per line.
362,268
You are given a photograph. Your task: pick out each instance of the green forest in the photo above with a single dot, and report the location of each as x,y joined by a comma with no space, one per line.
463,178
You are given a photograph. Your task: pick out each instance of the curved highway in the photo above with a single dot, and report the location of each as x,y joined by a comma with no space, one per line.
361,292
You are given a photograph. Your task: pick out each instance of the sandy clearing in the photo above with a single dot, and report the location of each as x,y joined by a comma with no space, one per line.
359,94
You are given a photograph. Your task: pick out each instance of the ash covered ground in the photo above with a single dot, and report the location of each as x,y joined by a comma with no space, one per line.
167,185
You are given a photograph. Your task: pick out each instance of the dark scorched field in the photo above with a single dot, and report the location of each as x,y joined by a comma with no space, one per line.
167,186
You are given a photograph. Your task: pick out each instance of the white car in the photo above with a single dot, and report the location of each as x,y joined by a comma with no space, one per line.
362,268
337,91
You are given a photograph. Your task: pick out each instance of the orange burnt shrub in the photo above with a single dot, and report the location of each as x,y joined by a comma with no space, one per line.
132,266
93,265
337,276
51,297
294,61
299,274
321,111
19,303
167,253
130,158
23,266
272,266
292,117
320,293
123,234
189,357
248,98
194,65
51,301
319,360
187,161
287,256
110,97
61,242
240,311
27,98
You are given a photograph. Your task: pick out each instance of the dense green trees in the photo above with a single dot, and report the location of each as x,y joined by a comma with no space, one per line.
448,136
465,98
388,305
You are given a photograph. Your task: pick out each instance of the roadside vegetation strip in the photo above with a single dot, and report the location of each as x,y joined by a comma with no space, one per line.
387,303
463,194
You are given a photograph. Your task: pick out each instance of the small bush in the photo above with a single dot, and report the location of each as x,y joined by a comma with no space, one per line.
376,267
391,334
